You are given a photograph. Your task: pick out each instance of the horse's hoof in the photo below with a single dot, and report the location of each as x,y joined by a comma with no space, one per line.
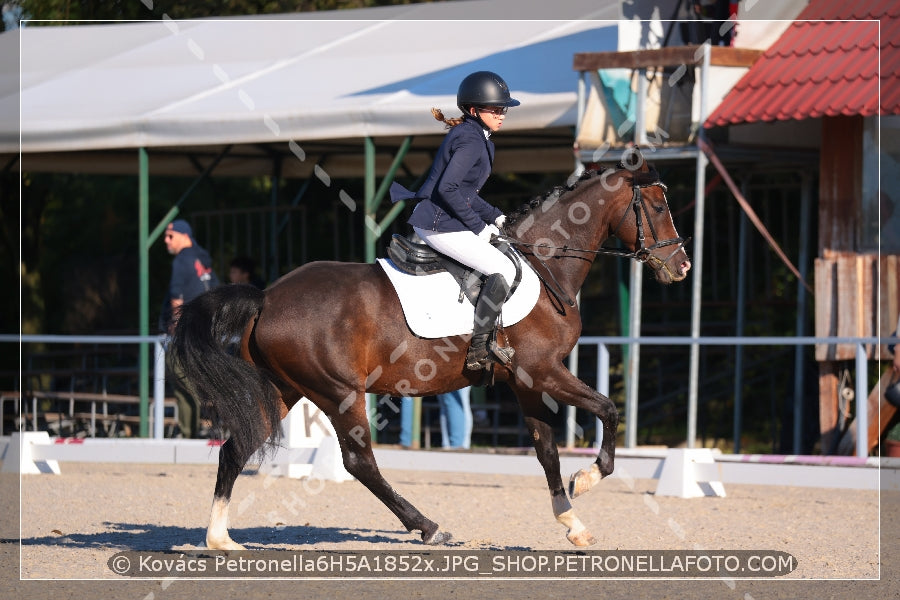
226,544
579,483
438,537
583,481
582,539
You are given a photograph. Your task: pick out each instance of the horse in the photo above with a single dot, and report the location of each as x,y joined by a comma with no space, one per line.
333,332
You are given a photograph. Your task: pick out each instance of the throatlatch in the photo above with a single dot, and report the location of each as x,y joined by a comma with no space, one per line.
484,347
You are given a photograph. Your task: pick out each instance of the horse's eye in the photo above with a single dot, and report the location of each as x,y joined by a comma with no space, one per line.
659,209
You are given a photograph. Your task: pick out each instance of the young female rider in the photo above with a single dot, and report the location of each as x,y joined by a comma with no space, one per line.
453,219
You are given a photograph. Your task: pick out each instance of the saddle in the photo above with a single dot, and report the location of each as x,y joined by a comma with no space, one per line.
413,257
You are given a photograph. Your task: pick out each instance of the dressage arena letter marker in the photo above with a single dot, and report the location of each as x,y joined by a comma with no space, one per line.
313,416
312,447
23,457
690,473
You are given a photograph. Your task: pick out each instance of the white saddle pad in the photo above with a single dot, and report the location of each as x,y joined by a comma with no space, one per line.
431,302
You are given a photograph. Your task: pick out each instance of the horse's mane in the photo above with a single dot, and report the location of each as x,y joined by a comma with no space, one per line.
558,191
636,178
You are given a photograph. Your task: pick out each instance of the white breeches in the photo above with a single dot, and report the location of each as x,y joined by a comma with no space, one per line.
470,250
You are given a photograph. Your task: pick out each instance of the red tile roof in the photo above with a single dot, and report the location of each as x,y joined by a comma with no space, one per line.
823,66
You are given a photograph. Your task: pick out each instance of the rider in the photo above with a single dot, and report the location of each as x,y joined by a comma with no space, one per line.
453,219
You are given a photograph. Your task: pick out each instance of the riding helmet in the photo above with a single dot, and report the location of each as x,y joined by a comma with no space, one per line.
483,88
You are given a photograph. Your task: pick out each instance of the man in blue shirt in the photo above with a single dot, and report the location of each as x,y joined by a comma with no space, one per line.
192,275
192,272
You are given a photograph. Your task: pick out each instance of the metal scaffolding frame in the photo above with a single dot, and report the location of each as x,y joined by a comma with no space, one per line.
701,58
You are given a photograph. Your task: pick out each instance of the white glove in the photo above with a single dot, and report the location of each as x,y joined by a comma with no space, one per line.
487,232
499,221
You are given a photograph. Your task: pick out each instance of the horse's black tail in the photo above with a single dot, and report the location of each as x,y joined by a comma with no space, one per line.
240,396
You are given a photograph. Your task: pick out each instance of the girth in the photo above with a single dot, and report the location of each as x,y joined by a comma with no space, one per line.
413,257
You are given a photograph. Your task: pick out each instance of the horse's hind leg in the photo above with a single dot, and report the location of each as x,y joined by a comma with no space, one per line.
548,456
352,428
230,466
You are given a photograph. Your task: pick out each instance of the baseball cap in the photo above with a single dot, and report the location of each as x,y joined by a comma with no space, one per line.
181,226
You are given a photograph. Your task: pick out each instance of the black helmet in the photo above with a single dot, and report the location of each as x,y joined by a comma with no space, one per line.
483,88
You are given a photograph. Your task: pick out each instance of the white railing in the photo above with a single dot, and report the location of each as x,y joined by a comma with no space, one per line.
631,422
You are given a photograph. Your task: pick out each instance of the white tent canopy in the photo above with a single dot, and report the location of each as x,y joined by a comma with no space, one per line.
223,81
267,81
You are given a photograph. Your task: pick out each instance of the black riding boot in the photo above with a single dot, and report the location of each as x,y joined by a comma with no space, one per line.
483,347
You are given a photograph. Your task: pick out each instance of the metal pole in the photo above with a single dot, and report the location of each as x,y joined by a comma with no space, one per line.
371,227
634,355
602,383
640,109
570,410
392,170
581,103
144,288
862,403
697,288
370,224
636,286
369,236
739,331
805,201
159,388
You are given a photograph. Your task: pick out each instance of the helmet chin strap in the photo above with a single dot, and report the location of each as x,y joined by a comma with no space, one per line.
477,118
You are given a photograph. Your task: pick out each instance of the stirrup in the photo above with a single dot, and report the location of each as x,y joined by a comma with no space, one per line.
479,357
503,354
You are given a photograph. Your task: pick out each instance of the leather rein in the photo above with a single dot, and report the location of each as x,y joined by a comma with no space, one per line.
643,254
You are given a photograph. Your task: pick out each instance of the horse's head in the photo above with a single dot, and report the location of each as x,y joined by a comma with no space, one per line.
645,225
628,202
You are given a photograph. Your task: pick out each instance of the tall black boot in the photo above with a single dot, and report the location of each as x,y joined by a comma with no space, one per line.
483,349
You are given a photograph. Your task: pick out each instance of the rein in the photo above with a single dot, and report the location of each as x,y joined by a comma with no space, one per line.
643,254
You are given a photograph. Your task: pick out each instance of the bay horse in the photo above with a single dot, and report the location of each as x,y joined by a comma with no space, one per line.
333,332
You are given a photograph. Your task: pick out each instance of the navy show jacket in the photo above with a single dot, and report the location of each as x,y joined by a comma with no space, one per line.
449,200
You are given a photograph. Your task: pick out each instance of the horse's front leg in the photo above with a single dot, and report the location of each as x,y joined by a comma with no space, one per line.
548,456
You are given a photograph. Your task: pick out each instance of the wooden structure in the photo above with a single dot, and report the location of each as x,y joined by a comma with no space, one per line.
827,65
856,289
857,292
672,92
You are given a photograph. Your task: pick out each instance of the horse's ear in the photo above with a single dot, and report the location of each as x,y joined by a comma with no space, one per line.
644,166
633,160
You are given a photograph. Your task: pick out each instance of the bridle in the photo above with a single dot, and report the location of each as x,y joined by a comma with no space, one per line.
643,253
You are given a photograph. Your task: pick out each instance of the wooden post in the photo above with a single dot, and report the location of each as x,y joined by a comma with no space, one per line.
828,406
878,405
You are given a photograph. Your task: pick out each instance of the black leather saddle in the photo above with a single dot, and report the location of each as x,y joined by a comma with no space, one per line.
412,256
